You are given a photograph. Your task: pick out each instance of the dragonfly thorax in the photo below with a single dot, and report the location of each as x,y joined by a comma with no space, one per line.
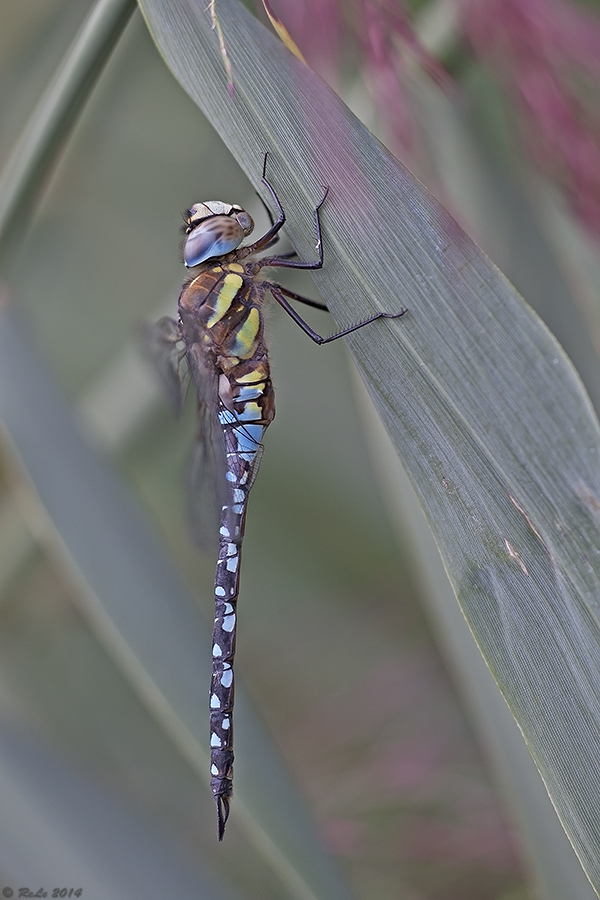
214,229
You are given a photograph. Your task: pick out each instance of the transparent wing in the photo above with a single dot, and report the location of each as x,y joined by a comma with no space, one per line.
208,489
163,347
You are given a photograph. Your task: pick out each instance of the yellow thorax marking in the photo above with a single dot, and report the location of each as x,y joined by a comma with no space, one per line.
235,267
245,339
231,285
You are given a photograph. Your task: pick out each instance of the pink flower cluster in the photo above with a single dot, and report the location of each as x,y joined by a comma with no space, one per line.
547,53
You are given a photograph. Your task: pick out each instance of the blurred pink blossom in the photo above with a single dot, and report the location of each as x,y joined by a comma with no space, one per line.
383,69
315,26
377,38
547,54
476,841
344,837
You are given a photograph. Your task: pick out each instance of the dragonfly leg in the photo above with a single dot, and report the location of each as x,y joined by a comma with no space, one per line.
270,236
267,240
278,293
293,296
284,260
274,240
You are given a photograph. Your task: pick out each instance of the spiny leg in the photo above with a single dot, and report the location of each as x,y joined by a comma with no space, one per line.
277,237
270,236
316,304
278,292
284,260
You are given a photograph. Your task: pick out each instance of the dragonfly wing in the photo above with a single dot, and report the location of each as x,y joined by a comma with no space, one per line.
163,347
208,489
207,486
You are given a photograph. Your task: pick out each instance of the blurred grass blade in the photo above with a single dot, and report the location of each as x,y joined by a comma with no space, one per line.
493,425
54,117
113,853
145,617
553,867
282,31
216,26
487,200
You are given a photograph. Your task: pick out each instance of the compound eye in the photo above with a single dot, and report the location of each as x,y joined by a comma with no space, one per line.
212,238
245,221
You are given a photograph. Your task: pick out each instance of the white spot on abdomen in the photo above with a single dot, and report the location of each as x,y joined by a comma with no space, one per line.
228,623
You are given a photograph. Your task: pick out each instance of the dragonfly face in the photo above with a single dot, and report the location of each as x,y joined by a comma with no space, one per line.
214,229
220,335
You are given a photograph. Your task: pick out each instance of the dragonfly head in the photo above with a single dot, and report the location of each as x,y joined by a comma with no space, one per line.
213,229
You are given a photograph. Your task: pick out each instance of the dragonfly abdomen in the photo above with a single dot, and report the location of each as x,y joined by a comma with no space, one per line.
223,651
246,407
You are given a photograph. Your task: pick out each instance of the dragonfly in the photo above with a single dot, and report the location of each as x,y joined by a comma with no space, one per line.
219,333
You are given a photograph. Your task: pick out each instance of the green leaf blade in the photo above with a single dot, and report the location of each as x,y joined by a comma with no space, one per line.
54,118
488,414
